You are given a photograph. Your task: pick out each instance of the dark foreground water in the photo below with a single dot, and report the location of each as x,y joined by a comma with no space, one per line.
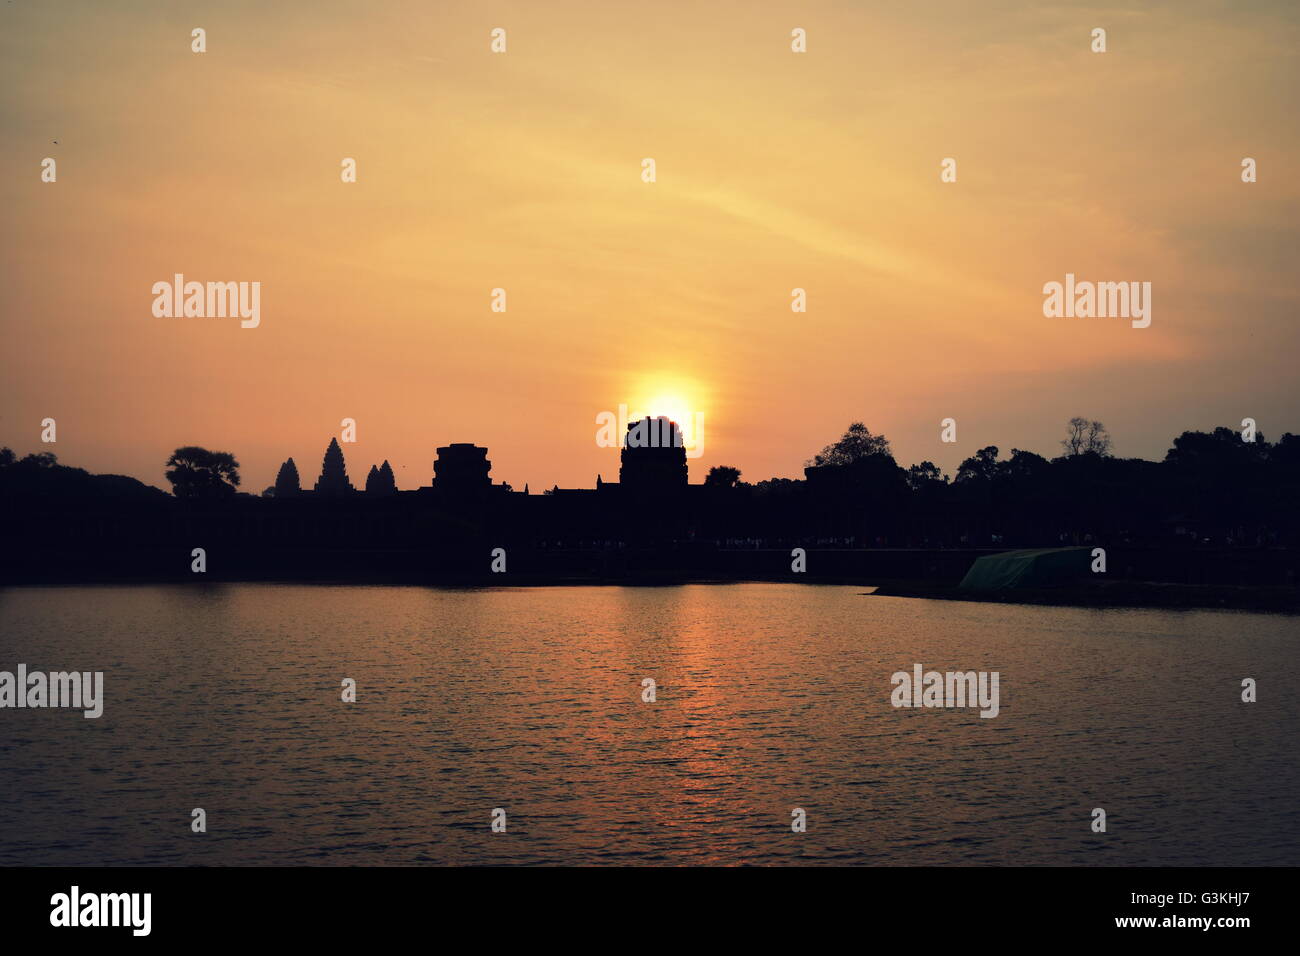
770,697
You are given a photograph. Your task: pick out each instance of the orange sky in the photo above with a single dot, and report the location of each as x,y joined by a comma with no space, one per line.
522,171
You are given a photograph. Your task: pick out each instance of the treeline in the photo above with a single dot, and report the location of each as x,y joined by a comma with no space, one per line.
1222,487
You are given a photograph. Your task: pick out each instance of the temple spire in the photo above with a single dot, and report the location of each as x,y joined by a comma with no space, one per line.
334,475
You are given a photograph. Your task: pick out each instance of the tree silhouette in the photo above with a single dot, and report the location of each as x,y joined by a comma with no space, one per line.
855,444
925,475
1216,452
1086,438
722,476
981,466
41,459
334,475
286,482
1026,465
197,473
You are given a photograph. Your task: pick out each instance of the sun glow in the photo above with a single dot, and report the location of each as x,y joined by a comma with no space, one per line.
673,398
671,406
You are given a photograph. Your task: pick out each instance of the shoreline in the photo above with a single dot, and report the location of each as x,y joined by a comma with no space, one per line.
1117,595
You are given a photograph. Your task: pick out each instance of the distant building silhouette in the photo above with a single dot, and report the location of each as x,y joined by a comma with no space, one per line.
333,481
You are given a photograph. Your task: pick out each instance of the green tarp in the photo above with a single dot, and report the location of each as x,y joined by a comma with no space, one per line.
1035,568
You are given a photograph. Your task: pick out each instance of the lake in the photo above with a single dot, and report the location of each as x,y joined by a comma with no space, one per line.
769,697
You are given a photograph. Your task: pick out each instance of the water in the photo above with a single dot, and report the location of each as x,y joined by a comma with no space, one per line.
770,697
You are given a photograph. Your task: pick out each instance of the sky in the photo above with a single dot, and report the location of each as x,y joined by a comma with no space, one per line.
522,171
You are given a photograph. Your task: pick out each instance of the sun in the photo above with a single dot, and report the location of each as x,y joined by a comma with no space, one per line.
672,406
673,395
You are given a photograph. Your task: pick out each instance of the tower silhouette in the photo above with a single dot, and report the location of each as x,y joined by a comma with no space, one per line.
333,480
286,482
653,456
462,468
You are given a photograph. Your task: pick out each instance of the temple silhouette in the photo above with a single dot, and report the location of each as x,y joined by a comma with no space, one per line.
652,462
1218,510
